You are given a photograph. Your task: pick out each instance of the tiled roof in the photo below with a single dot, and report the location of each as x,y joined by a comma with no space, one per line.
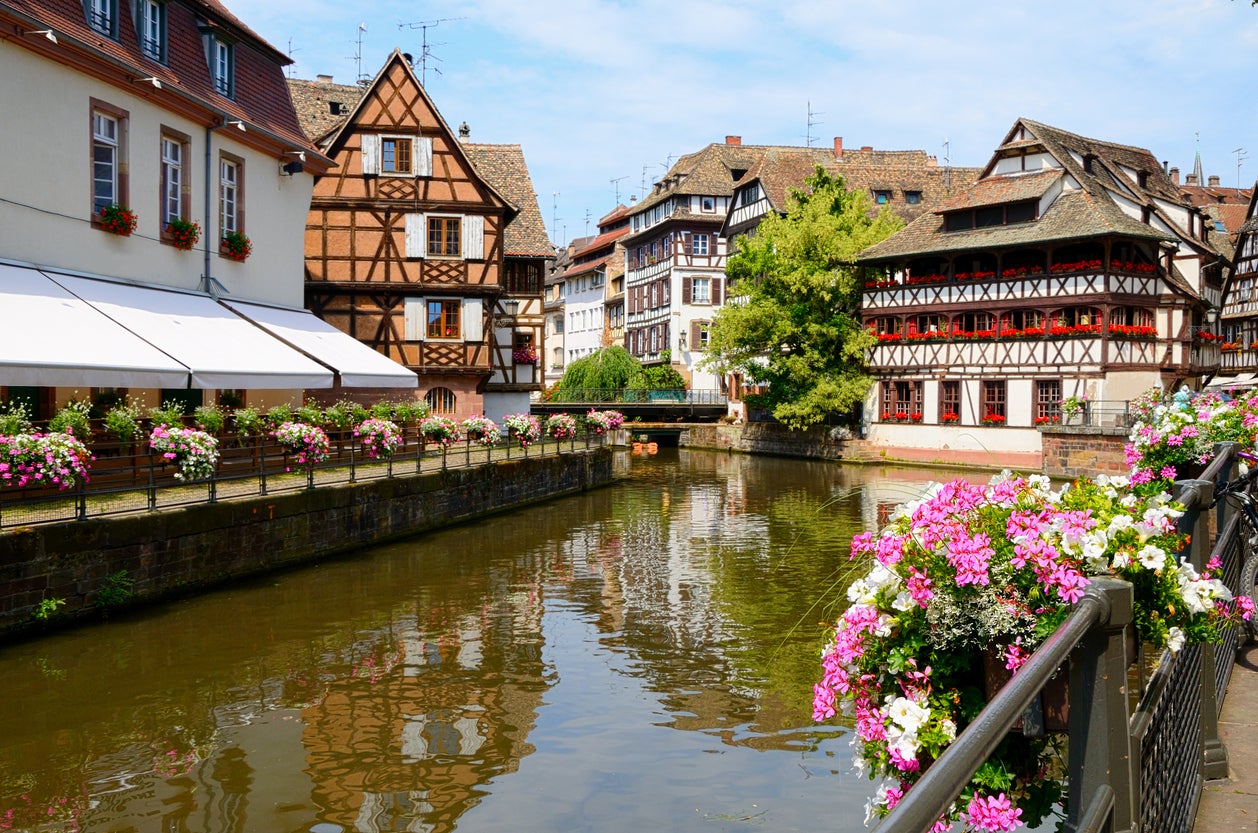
997,190
617,213
605,239
313,101
584,268
708,172
260,97
503,167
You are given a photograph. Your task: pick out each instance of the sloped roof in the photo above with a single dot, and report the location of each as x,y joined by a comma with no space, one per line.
504,168
997,190
605,239
707,172
313,102
259,98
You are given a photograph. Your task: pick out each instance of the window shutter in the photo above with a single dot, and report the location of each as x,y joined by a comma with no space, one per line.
371,154
473,319
686,289
694,336
423,156
414,327
473,237
416,235
716,292
686,243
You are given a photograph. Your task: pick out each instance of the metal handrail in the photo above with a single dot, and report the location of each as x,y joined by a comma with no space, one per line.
631,396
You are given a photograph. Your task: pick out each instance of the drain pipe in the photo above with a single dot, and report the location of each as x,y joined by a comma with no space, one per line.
207,279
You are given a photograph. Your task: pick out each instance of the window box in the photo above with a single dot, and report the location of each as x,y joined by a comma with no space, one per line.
1132,331
993,419
118,219
235,246
183,234
949,418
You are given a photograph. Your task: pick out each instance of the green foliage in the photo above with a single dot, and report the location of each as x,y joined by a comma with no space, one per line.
382,410
46,608
343,415
170,413
310,413
211,418
15,418
277,415
115,590
247,421
610,368
662,376
123,420
791,320
73,418
409,412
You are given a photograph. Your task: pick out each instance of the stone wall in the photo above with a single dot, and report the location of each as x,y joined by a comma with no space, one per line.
763,438
186,550
1071,451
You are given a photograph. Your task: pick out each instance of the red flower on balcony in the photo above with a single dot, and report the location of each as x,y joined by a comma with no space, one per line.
1132,331
949,416
992,418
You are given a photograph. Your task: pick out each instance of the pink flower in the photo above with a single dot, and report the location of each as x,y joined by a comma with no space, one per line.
996,814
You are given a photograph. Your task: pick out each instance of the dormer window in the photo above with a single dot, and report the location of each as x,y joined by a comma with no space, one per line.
102,15
150,26
882,197
222,66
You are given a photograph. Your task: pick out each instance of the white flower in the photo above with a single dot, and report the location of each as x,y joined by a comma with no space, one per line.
1120,522
903,742
880,578
1151,557
883,628
907,714
904,601
1174,640
1094,545
948,728
859,765
859,592
1121,560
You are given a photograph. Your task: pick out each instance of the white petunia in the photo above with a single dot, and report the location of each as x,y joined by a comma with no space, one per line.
1094,545
907,714
1121,560
904,601
1174,640
1120,522
880,578
1151,557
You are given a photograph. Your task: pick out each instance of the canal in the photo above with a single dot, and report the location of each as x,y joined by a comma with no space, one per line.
637,658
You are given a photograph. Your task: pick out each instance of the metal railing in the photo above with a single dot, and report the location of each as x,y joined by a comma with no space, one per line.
1141,769
131,477
1100,414
628,396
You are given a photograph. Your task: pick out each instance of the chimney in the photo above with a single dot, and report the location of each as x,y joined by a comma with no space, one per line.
465,132
733,140
867,148
1175,175
409,58
838,147
1191,180
1214,180
324,79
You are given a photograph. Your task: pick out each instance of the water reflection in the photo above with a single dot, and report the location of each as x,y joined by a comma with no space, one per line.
641,656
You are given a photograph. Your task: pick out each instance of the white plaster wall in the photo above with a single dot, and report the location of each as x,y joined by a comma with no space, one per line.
498,405
45,212
584,338
956,438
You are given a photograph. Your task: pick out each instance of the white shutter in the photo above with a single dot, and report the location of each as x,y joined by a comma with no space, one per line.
473,237
423,156
473,319
415,326
417,235
371,154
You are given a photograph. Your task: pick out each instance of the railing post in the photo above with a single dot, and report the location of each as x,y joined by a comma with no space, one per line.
1100,754
1196,495
260,453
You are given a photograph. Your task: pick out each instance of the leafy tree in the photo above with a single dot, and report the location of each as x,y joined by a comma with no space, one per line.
610,368
662,376
791,321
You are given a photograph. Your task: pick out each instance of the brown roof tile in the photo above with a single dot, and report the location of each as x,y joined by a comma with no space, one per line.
314,102
504,168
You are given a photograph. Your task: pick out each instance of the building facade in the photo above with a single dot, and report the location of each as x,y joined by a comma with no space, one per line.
409,244
1072,268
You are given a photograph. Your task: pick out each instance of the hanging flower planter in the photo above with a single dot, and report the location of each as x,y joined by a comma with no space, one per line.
184,234
236,246
117,219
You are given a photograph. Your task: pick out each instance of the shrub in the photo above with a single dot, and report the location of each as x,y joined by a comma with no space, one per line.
73,419
247,421
210,418
15,419
123,420
170,413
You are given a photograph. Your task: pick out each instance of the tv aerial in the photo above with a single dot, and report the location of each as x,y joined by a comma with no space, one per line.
425,51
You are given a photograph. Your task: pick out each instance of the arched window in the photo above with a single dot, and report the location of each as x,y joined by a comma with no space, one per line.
440,400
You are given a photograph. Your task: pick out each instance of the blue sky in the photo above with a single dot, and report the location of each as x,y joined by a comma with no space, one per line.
603,90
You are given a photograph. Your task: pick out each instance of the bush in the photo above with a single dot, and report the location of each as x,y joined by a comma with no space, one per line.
123,420
73,419
310,413
277,415
14,419
170,413
411,412
247,421
343,415
210,418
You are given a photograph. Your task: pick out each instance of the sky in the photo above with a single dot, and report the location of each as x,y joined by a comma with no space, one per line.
604,95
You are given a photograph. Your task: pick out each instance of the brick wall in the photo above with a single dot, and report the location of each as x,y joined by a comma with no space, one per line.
764,438
1080,452
187,550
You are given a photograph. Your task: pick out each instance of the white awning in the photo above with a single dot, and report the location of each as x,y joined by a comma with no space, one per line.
50,338
357,365
1244,380
222,349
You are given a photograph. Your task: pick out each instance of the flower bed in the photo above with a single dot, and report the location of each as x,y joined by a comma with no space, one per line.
193,452
974,569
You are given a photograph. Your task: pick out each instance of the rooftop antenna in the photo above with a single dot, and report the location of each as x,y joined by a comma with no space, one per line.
1241,156
645,168
947,165
587,222
812,122
554,214
358,56
616,183
424,51
293,66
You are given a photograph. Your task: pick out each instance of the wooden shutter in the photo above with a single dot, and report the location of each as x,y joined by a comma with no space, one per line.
473,323
687,289
716,292
416,235
694,336
415,325
371,154
423,156
473,237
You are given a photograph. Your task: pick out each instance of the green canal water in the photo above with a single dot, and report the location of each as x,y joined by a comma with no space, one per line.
637,658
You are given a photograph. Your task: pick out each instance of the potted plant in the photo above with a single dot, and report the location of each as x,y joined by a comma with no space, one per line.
561,426
524,355
53,459
441,430
993,418
308,443
236,246
482,429
379,437
117,219
193,452
949,417
183,234
524,427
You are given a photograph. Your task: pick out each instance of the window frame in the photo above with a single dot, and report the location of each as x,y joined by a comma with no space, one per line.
102,17
174,180
707,205
150,15
393,156
995,400
950,400
695,246
1047,400
446,222
697,297
441,401
118,181
221,54
441,322
237,200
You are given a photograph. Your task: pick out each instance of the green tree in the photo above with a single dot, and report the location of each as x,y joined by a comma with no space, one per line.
791,321
610,368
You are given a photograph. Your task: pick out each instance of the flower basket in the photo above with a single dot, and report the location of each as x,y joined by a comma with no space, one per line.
441,430
55,459
561,426
309,443
483,430
380,438
195,453
235,246
117,219
524,355
183,234
525,428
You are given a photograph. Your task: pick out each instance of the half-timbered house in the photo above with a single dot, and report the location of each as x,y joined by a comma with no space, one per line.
1238,363
594,289
409,246
1072,268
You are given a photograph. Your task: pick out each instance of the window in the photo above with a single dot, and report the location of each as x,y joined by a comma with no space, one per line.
994,403
701,290
102,15
882,197
902,401
108,138
949,402
222,67
443,319
975,323
707,204
995,215
150,24
913,197
175,199
1047,401
395,155
443,237
928,325
230,212
557,321
441,400
699,334
699,244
